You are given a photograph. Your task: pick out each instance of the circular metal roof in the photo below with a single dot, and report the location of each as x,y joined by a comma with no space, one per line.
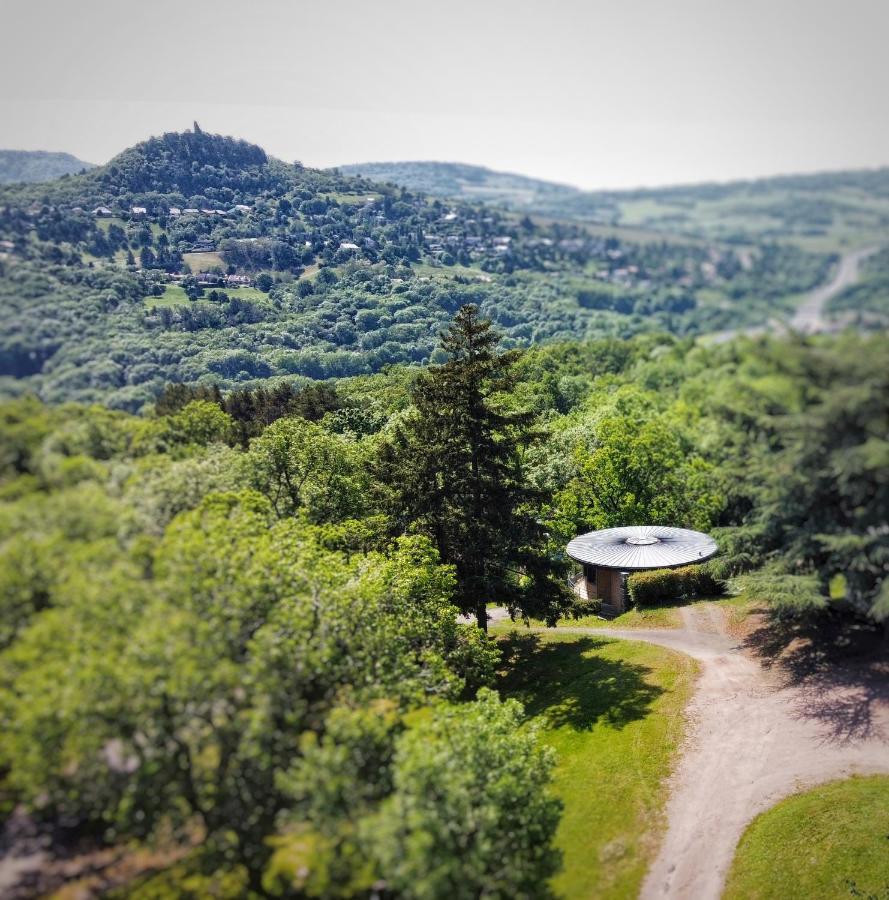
637,547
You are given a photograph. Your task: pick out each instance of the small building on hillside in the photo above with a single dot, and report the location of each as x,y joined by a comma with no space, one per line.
102,212
138,210
610,556
209,279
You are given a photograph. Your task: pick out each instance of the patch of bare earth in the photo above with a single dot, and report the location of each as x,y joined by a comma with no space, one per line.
37,862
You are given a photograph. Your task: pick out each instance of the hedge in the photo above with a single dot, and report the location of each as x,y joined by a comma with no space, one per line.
666,585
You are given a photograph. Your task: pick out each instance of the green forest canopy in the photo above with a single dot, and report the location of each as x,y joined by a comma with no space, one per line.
247,486
162,573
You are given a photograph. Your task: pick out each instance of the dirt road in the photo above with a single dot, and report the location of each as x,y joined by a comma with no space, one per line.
809,316
751,742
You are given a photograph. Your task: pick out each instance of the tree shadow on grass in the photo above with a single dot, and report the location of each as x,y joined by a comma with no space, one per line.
569,684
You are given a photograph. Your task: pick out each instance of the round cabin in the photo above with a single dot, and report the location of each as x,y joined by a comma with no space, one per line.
610,556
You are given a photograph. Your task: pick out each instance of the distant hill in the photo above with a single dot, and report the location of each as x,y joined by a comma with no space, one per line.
448,179
828,210
197,257
37,165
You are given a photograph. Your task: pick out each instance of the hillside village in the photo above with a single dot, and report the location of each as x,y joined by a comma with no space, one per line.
217,260
329,230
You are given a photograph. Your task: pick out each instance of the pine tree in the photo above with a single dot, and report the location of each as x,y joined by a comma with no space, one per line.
454,472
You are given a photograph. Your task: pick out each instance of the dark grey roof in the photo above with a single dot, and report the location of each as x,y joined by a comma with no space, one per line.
637,547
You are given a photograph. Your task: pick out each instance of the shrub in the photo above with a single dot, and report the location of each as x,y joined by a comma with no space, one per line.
790,598
727,567
664,585
741,549
582,606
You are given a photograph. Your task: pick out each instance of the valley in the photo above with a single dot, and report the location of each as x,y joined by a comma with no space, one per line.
249,269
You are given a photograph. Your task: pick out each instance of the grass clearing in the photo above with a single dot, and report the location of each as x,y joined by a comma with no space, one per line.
613,711
106,223
443,271
830,842
352,199
667,616
203,262
242,293
174,295
637,617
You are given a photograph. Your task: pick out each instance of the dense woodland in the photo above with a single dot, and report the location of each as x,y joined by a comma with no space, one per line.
230,624
119,280
273,439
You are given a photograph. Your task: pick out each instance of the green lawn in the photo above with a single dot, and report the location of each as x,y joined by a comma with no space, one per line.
429,271
612,710
830,842
351,198
174,295
668,616
203,262
105,224
637,617
645,617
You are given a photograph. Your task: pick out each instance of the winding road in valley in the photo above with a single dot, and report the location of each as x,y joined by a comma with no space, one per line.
753,738
809,317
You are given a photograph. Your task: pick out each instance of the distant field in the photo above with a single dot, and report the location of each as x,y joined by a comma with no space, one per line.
425,270
203,262
105,224
829,221
174,295
830,842
628,232
345,198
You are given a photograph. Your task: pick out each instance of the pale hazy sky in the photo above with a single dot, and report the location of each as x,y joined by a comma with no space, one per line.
598,94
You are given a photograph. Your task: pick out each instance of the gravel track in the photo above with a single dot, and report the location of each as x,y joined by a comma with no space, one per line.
752,740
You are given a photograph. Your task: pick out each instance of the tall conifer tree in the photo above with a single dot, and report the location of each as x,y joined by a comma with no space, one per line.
454,472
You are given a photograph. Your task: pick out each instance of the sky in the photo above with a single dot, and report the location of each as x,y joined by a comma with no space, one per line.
614,94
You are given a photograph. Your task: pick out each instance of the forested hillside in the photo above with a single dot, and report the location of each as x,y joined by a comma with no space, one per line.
196,257
824,211
230,641
37,165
